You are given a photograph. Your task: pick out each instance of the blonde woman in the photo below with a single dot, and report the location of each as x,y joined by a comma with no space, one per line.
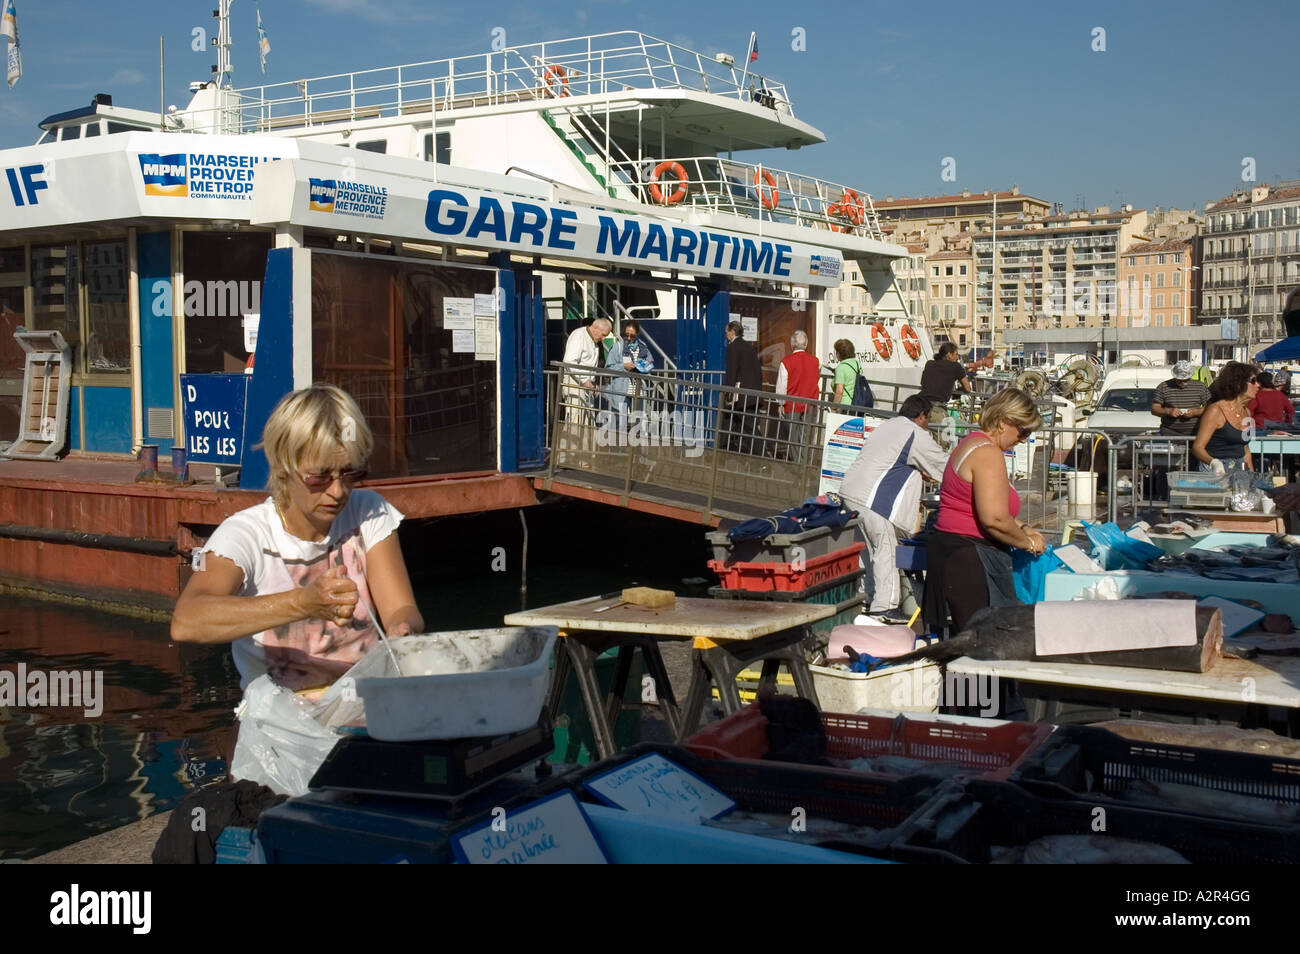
968,562
294,583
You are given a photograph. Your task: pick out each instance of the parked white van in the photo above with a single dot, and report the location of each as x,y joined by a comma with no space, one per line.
1124,403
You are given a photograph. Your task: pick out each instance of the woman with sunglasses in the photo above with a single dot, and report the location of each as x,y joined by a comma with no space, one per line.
968,560
1222,439
295,583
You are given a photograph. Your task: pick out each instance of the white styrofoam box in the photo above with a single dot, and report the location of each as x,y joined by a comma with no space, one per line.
455,685
914,687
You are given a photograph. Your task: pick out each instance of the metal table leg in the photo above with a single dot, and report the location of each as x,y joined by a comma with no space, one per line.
584,668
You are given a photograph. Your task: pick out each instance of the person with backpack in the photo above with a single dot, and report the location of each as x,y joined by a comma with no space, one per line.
850,385
884,486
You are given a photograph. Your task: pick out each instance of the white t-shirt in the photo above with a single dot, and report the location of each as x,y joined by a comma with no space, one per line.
309,653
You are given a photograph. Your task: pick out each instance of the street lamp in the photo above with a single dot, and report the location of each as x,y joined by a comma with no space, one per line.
1187,300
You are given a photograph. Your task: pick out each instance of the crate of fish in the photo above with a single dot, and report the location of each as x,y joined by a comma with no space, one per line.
783,547
794,577
1096,765
1001,823
898,745
854,811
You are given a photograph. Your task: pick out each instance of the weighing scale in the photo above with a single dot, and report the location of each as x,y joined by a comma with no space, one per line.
444,769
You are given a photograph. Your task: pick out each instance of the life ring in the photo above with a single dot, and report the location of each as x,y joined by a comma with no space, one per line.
556,74
678,170
768,196
911,342
880,338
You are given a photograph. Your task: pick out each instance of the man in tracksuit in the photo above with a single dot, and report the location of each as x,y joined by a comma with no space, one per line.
884,486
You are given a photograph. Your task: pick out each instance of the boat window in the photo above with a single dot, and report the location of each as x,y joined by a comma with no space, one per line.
92,129
116,127
1128,399
47,136
70,132
108,328
374,145
223,282
13,280
56,273
444,148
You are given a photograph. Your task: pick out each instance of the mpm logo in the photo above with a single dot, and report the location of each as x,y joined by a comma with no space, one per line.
814,265
320,195
164,175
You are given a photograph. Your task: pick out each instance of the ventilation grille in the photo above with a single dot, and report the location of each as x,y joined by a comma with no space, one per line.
159,421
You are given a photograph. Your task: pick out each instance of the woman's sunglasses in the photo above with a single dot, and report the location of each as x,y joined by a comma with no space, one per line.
320,481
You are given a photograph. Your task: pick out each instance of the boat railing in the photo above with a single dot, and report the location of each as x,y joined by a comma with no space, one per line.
690,439
753,190
599,64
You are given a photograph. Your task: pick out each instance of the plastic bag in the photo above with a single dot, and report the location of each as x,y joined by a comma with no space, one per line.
1030,573
283,739
1116,550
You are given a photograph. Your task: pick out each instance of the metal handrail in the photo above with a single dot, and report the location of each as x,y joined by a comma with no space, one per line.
597,64
717,185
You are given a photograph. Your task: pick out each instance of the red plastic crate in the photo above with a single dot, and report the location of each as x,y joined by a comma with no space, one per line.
994,752
783,577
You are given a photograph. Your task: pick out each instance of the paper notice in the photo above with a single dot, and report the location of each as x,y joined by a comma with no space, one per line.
485,305
458,314
751,328
485,339
462,342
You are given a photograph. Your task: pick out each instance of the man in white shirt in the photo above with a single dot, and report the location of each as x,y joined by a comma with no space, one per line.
884,486
583,347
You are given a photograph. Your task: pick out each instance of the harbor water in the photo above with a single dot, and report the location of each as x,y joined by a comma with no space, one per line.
167,722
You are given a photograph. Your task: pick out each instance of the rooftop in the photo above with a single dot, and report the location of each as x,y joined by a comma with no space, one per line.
1168,245
1244,196
962,198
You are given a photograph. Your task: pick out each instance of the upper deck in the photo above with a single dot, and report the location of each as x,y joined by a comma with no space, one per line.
688,96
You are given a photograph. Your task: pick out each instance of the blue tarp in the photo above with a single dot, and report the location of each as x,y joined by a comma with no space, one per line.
1288,349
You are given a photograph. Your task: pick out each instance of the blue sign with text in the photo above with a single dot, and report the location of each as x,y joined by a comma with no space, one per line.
214,417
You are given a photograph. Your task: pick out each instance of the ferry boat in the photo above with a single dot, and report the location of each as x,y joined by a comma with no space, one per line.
424,236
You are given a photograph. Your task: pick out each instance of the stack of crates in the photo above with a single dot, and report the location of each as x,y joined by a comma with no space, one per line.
816,566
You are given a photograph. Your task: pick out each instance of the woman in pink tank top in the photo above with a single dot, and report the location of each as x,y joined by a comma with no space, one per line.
968,564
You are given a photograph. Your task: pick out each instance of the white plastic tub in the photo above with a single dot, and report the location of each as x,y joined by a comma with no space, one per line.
914,687
462,684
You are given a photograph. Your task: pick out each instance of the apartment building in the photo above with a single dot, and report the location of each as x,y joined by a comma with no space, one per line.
1158,284
1058,272
851,297
951,278
966,210
911,276
1250,257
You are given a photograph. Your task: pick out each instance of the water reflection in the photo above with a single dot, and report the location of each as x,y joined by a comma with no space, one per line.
166,723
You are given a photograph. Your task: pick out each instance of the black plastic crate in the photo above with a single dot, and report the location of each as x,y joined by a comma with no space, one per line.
1082,762
878,801
965,827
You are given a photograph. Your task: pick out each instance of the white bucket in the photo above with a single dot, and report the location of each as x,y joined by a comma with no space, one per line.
1082,486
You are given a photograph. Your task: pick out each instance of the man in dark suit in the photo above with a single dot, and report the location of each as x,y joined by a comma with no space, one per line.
742,371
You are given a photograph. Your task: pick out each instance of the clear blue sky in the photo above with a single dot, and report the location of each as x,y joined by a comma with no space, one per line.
1012,91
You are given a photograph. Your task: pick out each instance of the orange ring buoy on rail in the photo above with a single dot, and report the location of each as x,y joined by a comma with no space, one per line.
678,170
554,75
911,341
880,338
851,207
769,196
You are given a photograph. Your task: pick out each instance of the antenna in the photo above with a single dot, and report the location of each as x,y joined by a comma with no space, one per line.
224,68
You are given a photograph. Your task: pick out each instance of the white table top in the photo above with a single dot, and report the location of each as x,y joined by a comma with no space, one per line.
689,616
1276,679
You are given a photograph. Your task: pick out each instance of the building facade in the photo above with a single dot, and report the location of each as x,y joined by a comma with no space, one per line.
951,278
968,211
1158,284
1250,253
1060,272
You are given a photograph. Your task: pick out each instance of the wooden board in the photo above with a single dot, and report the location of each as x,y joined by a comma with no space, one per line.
688,617
1275,682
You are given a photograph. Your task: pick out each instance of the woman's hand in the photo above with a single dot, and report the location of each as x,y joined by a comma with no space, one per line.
331,597
1037,543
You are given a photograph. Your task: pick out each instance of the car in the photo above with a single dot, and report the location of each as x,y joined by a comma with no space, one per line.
1124,402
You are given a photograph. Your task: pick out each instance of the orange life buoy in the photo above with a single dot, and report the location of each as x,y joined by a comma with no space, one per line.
880,338
768,196
678,170
911,342
554,75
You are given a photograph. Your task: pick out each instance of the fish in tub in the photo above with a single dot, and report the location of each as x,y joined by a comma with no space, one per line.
456,685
